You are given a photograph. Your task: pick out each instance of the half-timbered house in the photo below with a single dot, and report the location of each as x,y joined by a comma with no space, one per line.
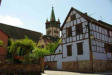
86,45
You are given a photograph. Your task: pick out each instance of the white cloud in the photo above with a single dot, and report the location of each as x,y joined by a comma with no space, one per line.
11,20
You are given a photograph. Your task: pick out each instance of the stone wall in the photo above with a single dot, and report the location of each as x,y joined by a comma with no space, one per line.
84,66
69,66
79,66
51,65
102,65
87,66
20,69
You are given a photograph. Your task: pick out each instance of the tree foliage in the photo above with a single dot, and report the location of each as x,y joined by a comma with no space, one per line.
52,46
25,50
21,47
1,43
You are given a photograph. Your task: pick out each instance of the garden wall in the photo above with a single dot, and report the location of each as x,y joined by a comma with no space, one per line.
51,65
87,66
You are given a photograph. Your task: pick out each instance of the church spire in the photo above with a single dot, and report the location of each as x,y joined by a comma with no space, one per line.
52,15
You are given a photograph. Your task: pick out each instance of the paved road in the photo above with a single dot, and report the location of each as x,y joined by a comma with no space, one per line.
48,72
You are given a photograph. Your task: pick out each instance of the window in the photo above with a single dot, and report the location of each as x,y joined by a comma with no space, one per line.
69,50
69,32
73,17
55,31
48,32
108,33
80,48
42,46
79,29
108,48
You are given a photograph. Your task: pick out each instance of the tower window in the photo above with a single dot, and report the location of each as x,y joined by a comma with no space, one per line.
69,50
55,31
73,17
69,32
79,29
79,48
48,32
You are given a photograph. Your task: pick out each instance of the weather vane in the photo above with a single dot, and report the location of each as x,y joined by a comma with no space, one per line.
52,3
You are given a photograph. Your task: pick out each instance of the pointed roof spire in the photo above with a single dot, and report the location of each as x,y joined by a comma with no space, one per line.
58,20
47,20
52,15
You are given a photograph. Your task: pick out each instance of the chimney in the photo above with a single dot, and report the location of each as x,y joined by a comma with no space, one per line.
85,13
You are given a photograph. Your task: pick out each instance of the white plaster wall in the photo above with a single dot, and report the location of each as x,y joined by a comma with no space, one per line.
59,62
69,58
74,56
70,40
57,58
97,51
59,49
99,56
52,57
78,20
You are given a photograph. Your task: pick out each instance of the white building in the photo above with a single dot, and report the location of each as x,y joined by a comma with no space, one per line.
86,45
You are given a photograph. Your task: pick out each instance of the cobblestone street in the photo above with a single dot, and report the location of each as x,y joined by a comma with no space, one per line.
49,72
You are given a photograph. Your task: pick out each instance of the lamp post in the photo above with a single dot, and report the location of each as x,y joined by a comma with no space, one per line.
91,38
77,63
90,45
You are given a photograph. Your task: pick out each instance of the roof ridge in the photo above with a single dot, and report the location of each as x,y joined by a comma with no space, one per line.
20,28
89,18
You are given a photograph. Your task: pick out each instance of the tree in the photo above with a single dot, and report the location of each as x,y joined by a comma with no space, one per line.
1,43
52,46
25,51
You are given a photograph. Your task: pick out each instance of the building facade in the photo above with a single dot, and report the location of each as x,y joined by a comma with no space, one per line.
45,40
53,26
10,32
86,45
3,48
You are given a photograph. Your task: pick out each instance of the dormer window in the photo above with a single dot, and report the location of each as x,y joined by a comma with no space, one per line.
73,17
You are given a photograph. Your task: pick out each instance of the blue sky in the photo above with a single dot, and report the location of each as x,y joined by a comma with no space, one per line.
32,14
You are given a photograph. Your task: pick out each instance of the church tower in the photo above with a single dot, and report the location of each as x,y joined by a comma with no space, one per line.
53,26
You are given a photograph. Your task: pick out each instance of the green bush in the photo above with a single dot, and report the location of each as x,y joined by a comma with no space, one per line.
26,50
52,46
1,43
